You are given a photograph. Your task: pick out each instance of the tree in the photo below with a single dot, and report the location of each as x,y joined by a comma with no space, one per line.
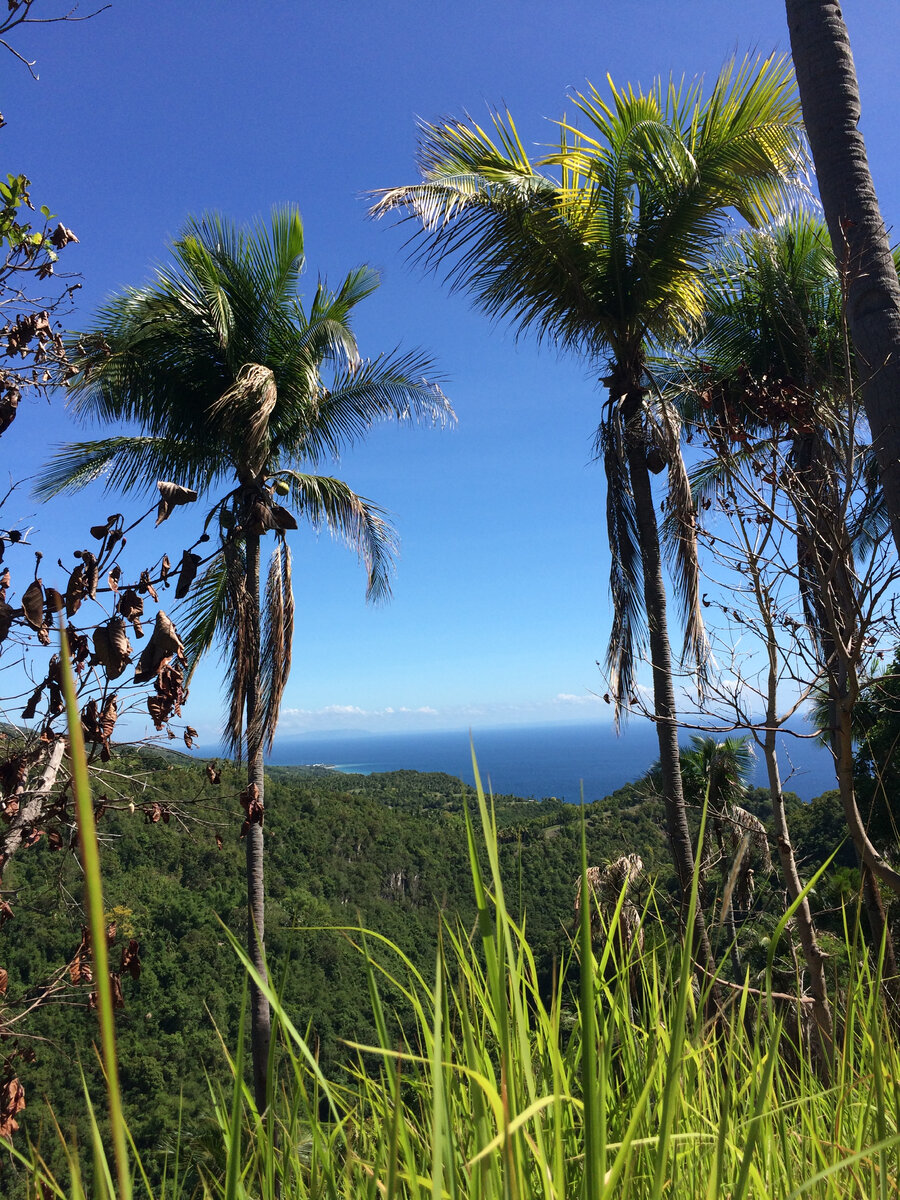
232,381
829,93
776,394
605,258
715,776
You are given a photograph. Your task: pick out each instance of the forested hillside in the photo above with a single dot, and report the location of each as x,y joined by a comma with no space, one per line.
387,852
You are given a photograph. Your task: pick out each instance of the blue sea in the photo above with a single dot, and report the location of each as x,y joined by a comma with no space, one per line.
535,760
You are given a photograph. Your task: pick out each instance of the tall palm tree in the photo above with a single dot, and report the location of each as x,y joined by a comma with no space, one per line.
598,247
829,93
772,386
236,387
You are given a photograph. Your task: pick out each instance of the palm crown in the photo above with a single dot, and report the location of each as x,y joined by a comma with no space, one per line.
599,246
229,378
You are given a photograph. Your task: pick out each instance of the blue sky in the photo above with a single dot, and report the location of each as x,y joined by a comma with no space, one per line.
150,112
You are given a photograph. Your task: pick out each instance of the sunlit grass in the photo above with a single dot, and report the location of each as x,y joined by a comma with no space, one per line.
612,1081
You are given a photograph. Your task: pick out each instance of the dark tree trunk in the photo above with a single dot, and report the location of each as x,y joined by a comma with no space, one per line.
260,1017
829,95
663,687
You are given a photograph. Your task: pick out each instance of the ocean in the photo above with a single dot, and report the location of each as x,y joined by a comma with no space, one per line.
533,760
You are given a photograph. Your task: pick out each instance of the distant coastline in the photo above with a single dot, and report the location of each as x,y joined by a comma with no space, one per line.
535,760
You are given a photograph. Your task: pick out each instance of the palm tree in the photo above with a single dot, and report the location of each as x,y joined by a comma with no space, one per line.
233,384
772,386
599,247
829,93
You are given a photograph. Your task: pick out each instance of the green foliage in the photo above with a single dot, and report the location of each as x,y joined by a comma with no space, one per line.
384,851
488,1085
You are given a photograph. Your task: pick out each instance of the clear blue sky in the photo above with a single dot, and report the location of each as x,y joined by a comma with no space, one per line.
153,111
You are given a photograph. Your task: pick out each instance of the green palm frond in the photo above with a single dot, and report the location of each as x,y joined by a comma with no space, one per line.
226,375
328,502
125,464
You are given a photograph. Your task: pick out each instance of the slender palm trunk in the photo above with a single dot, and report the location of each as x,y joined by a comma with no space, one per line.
663,687
813,955
260,1017
829,95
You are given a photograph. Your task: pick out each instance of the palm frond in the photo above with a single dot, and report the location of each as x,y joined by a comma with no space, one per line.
217,612
627,638
124,464
359,523
680,540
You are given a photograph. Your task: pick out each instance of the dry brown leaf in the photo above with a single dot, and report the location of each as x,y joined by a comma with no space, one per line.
76,591
171,495
131,607
186,573
33,604
112,648
283,518
12,1101
131,962
164,643
91,573
7,612
145,586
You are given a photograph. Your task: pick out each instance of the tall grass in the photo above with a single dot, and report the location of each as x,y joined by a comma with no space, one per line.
609,1083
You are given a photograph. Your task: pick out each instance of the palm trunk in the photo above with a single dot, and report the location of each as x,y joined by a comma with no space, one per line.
663,687
260,1017
829,94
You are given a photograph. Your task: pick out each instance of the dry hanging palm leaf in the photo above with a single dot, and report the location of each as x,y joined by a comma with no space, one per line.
247,406
277,637
681,542
283,519
187,572
171,495
112,649
164,643
607,884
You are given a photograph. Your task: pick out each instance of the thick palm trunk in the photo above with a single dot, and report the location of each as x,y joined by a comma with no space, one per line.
663,687
260,1017
829,95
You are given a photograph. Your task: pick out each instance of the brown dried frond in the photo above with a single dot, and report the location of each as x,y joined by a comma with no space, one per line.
275,654
247,404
